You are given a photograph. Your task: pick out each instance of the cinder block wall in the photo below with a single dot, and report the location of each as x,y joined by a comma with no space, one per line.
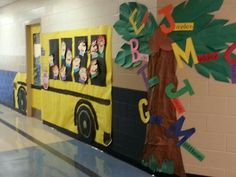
211,110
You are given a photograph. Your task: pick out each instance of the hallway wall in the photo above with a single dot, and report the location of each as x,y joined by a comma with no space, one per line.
211,110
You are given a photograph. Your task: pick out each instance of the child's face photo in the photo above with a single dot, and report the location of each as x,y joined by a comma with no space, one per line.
63,47
68,57
55,71
83,74
50,59
94,67
82,47
63,71
76,62
94,47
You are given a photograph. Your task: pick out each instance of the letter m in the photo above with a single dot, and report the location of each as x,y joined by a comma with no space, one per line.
179,53
175,130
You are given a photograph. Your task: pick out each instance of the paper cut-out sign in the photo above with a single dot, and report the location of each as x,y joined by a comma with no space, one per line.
184,27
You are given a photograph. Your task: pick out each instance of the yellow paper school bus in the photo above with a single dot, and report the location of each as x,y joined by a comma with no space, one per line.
75,88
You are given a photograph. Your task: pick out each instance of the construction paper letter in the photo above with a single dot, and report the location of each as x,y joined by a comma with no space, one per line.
134,44
187,88
194,151
179,53
153,81
142,72
156,120
175,131
167,12
228,52
134,24
145,116
178,105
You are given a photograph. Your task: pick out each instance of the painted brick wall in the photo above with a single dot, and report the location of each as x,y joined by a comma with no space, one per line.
211,110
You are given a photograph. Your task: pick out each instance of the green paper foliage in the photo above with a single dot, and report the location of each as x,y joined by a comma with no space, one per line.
124,28
209,35
166,167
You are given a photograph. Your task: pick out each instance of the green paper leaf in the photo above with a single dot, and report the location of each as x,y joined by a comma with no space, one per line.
153,164
120,27
120,58
168,167
219,69
124,12
188,12
202,70
128,62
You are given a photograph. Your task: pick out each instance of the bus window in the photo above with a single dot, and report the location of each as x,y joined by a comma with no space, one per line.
53,58
98,68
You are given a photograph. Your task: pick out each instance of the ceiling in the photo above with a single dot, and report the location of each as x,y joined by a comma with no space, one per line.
6,2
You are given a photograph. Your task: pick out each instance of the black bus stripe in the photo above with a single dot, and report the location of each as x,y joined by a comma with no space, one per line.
52,150
72,93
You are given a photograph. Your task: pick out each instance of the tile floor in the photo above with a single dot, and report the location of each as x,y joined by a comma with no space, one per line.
29,148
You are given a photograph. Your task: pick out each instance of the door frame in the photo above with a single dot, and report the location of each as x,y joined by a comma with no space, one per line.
30,30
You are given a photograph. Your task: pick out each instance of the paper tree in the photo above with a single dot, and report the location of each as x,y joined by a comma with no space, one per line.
209,38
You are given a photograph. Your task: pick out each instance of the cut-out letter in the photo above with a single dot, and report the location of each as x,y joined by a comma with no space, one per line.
187,88
192,150
175,131
142,72
167,12
145,116
179,53
228,52
153,81
178,105
156,120
134,44
134,24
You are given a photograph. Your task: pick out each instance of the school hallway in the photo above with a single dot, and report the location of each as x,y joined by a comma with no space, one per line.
32,149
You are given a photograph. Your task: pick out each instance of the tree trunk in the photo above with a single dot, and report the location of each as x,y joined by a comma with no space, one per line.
157,144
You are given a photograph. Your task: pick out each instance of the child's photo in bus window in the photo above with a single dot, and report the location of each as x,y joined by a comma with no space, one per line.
68,58
98,45
94,49
101,45
83,75
63,73
51,60
66,43
93,70
68,64
76,68
81,50
82,47
51,64
63,52
55,71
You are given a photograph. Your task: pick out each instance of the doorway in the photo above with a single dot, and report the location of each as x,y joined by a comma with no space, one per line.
33,81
